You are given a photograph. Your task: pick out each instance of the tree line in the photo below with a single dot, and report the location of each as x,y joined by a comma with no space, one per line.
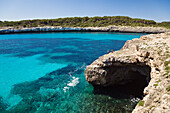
85,22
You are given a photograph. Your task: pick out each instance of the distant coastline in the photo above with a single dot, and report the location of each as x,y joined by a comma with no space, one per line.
85,24
125,29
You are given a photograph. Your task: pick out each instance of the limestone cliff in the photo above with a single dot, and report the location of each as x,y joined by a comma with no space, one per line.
147,56
138,29
124,29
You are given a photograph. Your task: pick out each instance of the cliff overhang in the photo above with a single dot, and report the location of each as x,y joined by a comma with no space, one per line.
146,60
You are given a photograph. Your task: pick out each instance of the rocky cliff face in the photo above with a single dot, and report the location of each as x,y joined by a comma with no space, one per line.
146,57
128,29
138,29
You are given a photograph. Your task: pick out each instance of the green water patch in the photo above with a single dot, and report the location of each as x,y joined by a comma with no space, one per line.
61,92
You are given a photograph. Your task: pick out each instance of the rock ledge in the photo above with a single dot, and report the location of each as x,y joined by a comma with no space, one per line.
147,56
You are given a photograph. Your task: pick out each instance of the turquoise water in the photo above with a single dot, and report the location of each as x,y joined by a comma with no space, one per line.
45,72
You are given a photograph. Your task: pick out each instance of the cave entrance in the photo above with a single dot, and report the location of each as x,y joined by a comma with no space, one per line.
137,78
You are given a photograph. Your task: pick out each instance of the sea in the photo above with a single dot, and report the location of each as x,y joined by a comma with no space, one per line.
44,72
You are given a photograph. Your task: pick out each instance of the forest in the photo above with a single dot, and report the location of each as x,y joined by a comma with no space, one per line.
85,22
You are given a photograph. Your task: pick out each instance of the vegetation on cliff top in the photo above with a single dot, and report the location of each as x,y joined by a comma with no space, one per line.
168,88
85,22
141,103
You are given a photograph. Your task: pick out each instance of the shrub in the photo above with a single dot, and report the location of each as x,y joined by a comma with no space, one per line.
141,103
168,88
155,85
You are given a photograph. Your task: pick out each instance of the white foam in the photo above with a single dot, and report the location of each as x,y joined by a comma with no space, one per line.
75,80
135,99
73,83
70,73
65,88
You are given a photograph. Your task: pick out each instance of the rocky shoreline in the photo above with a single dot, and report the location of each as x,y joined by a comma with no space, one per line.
146,57
11,30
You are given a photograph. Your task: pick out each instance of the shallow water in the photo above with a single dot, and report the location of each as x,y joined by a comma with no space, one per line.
45,72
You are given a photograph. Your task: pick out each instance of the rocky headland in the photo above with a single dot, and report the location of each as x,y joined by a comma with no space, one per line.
146,60
129,29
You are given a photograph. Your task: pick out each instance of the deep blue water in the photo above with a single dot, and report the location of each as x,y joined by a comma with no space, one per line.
44,73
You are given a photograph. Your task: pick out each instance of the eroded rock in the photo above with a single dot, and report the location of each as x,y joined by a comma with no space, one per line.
145,57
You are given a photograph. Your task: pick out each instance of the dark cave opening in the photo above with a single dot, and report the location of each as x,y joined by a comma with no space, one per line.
133,86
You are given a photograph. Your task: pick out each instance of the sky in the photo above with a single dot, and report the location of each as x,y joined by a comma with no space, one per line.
14,10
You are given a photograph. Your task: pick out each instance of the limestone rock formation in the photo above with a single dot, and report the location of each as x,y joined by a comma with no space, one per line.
138,29
148,56
128,29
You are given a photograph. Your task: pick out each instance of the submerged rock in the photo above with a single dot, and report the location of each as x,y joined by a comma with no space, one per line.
145,60
3,105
